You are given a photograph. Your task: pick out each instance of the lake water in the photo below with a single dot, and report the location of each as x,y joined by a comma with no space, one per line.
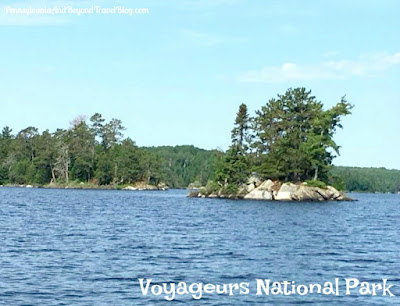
89,247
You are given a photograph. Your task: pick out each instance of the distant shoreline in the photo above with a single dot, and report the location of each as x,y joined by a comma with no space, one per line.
112,187
84,187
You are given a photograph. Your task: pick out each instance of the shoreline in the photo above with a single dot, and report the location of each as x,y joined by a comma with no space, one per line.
89,187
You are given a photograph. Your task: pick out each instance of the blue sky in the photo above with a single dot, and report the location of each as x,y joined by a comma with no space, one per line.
178,74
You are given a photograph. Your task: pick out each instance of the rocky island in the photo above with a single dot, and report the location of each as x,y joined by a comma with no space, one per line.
275,191
283,153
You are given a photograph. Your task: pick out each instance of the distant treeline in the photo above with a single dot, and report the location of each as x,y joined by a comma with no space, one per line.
94,151
368,179
30,157
183,165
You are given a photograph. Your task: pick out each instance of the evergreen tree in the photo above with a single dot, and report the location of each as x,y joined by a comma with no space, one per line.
294,135
240,132
81,143
6,137
236,168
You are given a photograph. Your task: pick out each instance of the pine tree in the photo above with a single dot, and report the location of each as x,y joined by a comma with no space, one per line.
235,168
294,136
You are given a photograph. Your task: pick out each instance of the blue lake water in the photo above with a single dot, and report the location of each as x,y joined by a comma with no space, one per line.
89,247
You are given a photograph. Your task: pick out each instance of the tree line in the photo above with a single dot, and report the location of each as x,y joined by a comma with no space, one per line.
95,151
368,179
289,139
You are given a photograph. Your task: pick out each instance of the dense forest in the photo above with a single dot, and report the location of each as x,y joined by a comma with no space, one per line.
184,165
289,139
95,152
368,179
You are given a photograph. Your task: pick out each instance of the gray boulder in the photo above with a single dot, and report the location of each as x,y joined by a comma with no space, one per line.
130,188
254,179
333,193
250,187
193,193
344,197
286,192
305,193
266,185
262,192
259,195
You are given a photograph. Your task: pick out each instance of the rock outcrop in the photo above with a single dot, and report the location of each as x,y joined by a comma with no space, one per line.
286,192
262,192
144,186
253,182
305,193
277,191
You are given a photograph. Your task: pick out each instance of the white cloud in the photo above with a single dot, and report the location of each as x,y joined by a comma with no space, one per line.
367,65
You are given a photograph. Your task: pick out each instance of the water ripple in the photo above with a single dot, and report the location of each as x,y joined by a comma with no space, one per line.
88,247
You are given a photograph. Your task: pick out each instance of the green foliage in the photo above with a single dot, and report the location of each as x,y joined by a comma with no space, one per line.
182,165
203,191
212,187
336,181
83,153
3,175
234,168
289,138
230,189
293,136
368,179
195,184
316,183
240,132
96,152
